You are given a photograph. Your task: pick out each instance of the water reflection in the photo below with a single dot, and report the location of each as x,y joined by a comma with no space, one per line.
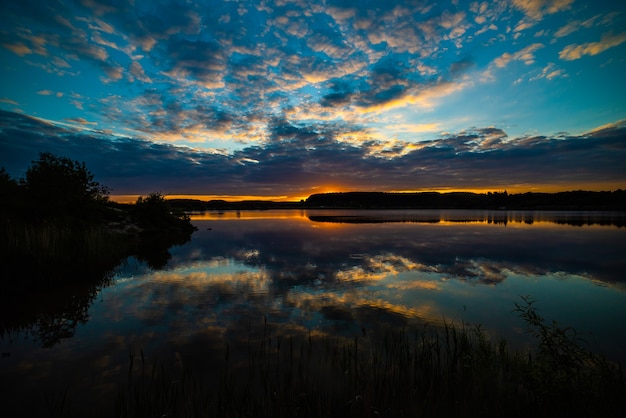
467,264
464,216
469,245
340,279
49,305
504,217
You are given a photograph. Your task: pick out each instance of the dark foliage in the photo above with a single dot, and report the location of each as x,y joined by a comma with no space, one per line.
60,188
60,234
574,200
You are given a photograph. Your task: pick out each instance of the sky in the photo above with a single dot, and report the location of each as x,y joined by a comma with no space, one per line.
281,99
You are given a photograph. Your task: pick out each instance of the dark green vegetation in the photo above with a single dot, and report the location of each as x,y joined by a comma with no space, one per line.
59,233
425,372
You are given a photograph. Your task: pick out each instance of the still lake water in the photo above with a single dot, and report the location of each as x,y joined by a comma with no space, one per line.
339,273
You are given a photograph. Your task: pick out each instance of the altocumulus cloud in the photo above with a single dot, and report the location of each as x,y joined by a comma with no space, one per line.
216,72
280,97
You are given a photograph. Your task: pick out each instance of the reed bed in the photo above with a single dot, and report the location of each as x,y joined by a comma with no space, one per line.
57,242
46,252
424,372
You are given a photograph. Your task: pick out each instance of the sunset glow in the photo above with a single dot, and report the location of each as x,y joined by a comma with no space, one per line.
278,100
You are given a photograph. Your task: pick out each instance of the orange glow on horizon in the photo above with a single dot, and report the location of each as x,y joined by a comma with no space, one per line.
132,198
328,189
522,188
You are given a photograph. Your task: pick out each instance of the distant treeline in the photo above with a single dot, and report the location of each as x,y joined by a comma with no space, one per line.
572,200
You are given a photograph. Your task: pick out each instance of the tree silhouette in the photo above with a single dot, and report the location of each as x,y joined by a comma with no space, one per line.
63,186
10,194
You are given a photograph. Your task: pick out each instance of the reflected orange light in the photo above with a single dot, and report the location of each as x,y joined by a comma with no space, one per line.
227,215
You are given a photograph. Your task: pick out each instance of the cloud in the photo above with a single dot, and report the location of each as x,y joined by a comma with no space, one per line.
218,76
137,72
573,51
8,101
536,9
525,55
203,61
80,121
414,128
549,72
300,157
45,92
18,48
461,66
340,94
77,104
576,25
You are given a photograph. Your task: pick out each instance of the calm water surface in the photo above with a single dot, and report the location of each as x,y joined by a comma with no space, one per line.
338,273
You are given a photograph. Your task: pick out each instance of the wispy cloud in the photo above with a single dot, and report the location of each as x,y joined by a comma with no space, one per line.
549,72
18,48
8,101
80,121
573,51
50,93
576,25
526,55
536,9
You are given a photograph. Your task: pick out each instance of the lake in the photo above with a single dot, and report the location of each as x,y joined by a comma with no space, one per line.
327,272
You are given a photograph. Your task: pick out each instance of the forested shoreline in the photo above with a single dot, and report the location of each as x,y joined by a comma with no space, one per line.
570,200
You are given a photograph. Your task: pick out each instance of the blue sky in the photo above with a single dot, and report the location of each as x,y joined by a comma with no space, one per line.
280,99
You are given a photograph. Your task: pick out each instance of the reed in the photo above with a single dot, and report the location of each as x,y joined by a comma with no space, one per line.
453,371
48,247
49,241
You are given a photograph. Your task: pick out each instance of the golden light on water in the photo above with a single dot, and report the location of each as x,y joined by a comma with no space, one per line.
228,215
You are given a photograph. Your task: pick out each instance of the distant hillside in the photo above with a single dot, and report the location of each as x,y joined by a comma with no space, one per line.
574,200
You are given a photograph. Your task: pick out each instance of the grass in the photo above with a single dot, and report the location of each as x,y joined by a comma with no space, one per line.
454,371
47,247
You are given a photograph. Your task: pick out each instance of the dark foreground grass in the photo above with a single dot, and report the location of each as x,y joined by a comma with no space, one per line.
43,248
455,371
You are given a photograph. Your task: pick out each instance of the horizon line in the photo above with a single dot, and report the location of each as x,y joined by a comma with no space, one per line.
132,198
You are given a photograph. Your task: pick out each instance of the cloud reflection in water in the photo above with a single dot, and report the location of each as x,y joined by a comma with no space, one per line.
339,279
303,272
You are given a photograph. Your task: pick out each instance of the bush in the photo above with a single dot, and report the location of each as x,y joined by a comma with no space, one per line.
65,188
